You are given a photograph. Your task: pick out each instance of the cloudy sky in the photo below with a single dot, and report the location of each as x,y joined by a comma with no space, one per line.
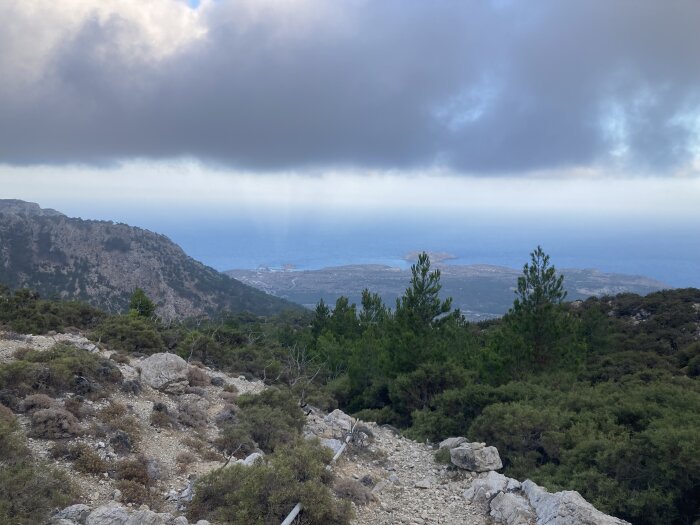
517,113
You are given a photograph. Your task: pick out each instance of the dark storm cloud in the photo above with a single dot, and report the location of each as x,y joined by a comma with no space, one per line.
479,87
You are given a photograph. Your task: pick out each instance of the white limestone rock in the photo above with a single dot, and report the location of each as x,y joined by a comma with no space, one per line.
166,372
108,515
476,457
452,442
565,508
512,509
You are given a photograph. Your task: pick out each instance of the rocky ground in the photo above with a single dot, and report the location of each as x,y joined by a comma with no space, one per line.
410,487
395,480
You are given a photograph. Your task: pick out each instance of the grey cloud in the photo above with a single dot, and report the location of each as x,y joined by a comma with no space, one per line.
479,87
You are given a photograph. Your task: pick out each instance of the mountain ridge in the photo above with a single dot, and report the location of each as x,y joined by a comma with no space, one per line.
102,262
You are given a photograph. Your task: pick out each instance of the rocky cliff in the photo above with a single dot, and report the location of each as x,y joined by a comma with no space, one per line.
103,262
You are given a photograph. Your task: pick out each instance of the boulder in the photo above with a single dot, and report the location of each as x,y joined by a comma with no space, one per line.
77,513
180,520
248,461
565,508
452,442
483,490
476,457
108,515
145,517
512,509
166,372
340,421
333,444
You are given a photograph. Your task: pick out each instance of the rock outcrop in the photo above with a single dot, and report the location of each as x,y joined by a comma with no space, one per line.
476,457
115,514
564,508
510,502
166,372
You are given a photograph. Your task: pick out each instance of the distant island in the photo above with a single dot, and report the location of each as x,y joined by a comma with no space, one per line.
480,291
435,257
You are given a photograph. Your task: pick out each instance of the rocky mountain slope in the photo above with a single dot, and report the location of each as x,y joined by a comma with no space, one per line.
112,437
103,262
480,291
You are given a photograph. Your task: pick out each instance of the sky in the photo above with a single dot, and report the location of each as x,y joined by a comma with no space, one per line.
316,132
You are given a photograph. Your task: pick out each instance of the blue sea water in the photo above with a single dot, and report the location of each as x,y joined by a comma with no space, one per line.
667,252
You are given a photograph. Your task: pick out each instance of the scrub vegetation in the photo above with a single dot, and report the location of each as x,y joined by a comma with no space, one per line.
599,396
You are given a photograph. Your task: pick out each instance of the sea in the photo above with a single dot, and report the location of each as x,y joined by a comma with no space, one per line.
666,252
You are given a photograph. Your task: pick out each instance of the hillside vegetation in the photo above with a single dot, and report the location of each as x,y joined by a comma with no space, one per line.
599,396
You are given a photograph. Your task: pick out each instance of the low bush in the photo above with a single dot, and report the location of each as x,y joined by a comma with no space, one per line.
184,460
87,460
54,423
198,377
121,442
230,387
264,493
352,490
29,490
272,418
117,420
236,440
6,415
229,397
192,414
443,456
132,386
161,417
133,469
25,312
64,368
133,492
75,406
37,402
130,334
120,358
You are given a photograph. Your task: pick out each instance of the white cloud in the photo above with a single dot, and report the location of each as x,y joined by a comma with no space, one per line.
143,31
166,187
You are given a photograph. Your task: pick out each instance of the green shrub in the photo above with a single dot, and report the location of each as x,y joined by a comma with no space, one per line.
130,334
271,418
266,492
64,368
25,312
87,460
29,490
443,456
